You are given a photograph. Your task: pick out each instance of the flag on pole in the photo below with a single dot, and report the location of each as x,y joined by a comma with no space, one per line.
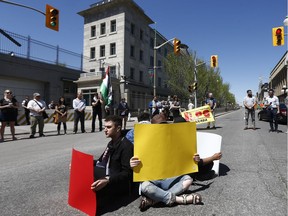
106,88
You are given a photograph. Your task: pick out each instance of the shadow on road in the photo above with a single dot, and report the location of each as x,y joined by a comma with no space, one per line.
223,169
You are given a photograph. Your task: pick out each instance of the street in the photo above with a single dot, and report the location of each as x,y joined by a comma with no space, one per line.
34,173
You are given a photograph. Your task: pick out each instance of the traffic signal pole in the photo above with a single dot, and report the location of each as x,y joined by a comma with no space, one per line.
20,5
155,59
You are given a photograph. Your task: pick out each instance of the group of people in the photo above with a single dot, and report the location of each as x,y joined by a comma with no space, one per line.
271,104
113,171
171,108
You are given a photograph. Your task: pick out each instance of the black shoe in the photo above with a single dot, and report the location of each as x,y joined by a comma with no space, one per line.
271,130
83,131
92,131
246,128
42,135
208,127
213,127
31,136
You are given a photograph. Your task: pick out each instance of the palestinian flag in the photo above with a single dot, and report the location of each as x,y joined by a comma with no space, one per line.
106,88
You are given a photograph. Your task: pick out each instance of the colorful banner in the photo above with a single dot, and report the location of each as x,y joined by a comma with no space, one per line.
165,150
199,115
80,194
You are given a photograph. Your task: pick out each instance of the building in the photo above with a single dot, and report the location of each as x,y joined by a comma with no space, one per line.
278,78
117,34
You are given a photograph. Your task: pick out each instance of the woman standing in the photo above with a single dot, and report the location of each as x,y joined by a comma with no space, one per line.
8,107
61,112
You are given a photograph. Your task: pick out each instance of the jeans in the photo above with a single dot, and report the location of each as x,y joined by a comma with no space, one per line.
94,115
164,190
252,113
273,118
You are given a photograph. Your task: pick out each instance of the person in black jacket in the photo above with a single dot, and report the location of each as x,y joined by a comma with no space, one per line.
112,172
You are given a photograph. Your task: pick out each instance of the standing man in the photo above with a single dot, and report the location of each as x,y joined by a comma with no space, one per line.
211,101
79,105
123,109
272,105
37,108
112,172
27,111
97,111
249,104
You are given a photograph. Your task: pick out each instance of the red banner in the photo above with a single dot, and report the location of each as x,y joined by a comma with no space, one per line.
80,194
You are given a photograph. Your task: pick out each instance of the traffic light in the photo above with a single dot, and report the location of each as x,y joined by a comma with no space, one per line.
278,36
177,44
190,88
52,18
214,61
194,86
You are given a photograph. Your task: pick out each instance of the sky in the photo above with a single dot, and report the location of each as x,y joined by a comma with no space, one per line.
239,31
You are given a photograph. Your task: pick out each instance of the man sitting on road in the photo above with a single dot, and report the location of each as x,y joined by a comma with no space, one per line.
112,172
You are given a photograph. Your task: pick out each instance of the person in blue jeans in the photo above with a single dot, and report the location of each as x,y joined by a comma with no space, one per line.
169,191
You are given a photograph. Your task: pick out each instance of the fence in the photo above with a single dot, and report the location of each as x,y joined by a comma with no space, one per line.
39,51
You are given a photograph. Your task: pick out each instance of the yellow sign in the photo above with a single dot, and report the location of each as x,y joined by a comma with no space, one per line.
199,115
165,150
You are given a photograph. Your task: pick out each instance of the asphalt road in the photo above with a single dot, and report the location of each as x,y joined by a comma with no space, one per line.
34,173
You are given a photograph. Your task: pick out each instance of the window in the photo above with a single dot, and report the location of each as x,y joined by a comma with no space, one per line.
151,43
141,76
151,61
113,71
132,73
132,29
113,26
141,34
132,51
102,28
141,55
93,31
92,53
113,49
102,51
159,81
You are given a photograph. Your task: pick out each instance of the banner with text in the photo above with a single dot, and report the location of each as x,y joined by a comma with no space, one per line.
199,115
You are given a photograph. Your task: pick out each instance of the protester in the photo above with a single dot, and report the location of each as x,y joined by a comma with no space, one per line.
112,172
96,111
272,105
26,110
168,191
37,109
249,104
143,118
16,111
61,110
51,105
79,105
155,106
211,101
8,106
175,107
123,110
190,105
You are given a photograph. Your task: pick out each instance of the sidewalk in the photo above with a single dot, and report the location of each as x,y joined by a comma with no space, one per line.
51,127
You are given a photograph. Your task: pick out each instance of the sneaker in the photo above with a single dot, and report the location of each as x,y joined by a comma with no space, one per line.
145,203
31,136
42,135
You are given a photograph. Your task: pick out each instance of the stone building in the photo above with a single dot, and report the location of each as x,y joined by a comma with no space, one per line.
117,34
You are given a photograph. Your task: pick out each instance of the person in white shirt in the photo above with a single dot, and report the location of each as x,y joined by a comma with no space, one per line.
272,105
79,105
190,105
249,103
37,108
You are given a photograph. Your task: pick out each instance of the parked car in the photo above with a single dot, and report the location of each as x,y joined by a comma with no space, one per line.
282,116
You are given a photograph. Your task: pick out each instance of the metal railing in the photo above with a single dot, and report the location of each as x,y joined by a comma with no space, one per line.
40,51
